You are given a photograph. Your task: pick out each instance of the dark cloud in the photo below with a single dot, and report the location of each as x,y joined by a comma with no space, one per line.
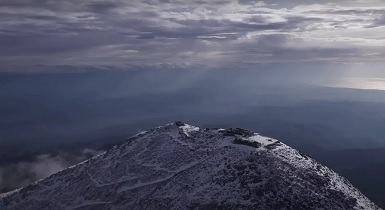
24,3
178,32
102,7
379,21
54,43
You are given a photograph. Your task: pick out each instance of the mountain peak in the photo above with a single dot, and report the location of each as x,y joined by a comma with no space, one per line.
179,166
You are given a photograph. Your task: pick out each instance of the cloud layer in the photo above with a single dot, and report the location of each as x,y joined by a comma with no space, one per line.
135,34
25,172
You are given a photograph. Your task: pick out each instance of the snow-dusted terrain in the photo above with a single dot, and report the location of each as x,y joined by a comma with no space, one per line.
179,166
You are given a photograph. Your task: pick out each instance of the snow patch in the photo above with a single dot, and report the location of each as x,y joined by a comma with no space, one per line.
187,129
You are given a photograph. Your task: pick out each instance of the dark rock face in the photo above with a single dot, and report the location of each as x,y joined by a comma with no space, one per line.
273,145
179,123
247,143
237,131
183,167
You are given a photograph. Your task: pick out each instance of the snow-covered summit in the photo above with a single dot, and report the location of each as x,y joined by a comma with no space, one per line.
179,166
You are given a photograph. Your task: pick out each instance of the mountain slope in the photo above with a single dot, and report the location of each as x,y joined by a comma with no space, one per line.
182,167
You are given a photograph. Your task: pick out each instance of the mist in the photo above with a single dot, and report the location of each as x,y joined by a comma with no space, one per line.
317,108
75,80
66,108
42,113
20,174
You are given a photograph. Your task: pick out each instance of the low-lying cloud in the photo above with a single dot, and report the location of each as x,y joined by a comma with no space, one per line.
23,173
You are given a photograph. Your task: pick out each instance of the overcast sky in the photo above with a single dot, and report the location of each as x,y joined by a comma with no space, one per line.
181,33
